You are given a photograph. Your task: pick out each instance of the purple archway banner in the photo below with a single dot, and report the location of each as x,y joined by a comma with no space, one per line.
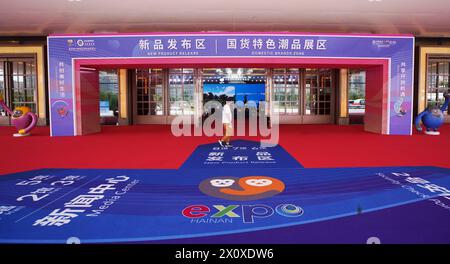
62,50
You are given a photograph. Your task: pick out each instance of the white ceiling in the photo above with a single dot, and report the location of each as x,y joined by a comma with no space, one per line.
43,17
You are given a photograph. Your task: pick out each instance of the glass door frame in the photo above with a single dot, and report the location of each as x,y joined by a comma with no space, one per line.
436,58
302,117
5,120
288,118
149,119
196,73
318,119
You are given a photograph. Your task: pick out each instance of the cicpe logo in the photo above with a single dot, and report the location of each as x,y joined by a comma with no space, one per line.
81,45
248,213
242,189
85,43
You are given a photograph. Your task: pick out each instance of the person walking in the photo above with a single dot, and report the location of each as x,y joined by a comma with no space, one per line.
227,121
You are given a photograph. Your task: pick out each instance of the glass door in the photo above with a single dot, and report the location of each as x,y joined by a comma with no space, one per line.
18,84
318,101
356,96
23,83
149,106
181,92
109,97
4,119
286,95
438,75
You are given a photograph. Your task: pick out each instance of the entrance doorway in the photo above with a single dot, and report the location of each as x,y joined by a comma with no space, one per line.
299,96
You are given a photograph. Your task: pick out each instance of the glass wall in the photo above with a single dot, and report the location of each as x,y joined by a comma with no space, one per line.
23,85
356,91
181,92
286,90
437,79
109,96
318,91
300,95
149,92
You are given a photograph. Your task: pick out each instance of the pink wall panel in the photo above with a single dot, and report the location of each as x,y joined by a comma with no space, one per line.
375,119
88,97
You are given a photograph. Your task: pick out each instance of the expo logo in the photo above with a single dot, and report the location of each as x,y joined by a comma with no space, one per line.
247,188
248,213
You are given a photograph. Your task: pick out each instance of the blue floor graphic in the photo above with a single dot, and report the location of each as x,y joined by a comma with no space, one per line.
244,194
242,154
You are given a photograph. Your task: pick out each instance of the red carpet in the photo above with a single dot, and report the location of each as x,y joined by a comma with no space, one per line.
153,146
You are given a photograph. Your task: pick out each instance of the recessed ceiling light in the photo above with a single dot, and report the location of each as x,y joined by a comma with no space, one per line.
374,1
73,1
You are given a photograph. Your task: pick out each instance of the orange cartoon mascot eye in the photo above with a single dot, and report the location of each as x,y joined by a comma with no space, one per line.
221,183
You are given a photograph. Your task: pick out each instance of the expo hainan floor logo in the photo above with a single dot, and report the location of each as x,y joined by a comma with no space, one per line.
242,189
248,188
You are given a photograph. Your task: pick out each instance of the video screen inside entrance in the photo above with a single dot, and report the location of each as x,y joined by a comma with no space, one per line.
242,94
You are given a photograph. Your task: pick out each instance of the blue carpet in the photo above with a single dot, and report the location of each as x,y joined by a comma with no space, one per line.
244,195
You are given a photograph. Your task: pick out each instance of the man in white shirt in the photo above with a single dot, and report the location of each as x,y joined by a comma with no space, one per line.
227,120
